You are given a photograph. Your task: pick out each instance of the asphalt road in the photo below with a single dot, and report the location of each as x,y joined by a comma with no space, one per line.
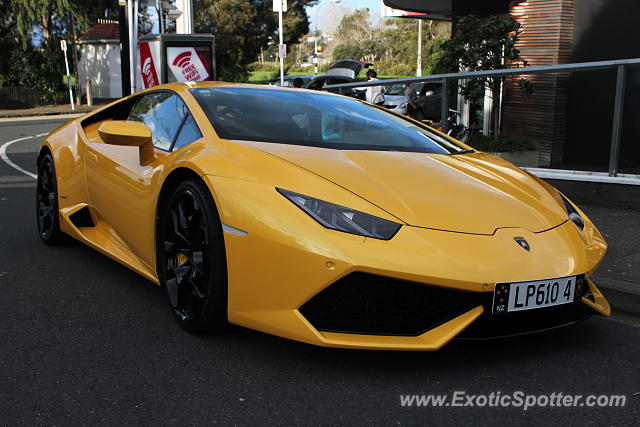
85,341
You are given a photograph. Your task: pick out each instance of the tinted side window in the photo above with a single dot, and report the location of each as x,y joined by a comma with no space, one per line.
317,83
163,113
188,133
436,88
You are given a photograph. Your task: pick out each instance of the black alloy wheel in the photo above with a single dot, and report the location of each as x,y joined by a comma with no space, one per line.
47,202
191,261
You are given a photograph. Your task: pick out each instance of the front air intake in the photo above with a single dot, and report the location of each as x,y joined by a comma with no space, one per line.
362,303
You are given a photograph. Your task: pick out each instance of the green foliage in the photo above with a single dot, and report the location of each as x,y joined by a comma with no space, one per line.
43,23
348,51
393,48
232,21
357,39
502,143
243,27
44,13
260,76
482,44
401,44
29,68
264,66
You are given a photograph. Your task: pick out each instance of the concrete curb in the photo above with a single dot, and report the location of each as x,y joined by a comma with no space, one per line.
622,295
45,117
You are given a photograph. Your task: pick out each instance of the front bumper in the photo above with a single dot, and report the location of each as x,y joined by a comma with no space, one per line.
287,259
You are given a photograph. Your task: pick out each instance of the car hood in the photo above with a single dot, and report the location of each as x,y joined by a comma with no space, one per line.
469,193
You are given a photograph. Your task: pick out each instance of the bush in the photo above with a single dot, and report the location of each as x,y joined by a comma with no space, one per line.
393,68
37,69
296,69
502,144
264,66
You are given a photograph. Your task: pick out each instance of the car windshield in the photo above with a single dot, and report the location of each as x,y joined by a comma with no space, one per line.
314,119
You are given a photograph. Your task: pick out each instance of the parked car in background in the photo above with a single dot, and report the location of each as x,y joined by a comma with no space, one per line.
345,71
288,80
429,100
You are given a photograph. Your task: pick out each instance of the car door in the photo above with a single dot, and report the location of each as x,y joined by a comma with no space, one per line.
432,100
121,189
333,80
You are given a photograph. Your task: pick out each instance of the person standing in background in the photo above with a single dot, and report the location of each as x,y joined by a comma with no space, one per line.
412,99
374,94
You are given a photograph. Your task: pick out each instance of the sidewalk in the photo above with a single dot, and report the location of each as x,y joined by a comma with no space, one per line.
46,111
619,274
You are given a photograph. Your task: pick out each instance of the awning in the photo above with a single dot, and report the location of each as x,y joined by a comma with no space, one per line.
446,9
432,7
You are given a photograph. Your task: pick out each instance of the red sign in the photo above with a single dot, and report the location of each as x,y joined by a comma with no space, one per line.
147,67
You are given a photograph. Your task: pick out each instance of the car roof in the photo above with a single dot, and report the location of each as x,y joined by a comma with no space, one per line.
194,85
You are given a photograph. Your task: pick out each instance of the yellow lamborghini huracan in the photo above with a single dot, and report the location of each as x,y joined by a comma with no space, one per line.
318,218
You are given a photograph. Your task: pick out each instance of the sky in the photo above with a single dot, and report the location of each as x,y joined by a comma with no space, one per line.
329,11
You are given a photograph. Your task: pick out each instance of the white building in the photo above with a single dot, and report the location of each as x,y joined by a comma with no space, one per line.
99,61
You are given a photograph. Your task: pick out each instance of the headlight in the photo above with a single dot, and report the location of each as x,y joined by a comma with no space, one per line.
343,219
574,216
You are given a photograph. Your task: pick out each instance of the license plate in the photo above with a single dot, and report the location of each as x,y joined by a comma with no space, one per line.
518,296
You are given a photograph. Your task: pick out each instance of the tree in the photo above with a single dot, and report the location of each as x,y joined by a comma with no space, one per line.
243,27
357,39
401,45
483,44
347,51
393,47
31,31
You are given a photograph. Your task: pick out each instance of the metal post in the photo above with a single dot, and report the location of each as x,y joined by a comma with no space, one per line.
75,61
132,20
281,38
419,64
161,16
614,157
444,109
66,65
315,41
124,51
315,47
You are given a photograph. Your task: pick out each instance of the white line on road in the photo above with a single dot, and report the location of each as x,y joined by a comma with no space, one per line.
3,154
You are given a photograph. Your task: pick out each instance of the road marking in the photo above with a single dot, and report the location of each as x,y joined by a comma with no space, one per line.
5,158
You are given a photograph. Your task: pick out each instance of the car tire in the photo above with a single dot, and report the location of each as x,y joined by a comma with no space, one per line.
192,264
47,214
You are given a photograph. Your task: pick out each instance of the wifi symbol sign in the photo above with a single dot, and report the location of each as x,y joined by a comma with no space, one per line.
146,67
183,60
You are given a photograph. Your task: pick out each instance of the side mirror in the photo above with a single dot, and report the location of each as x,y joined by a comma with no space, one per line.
429,93
130,134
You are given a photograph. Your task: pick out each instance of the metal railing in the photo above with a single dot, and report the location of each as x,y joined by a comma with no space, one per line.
619,65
